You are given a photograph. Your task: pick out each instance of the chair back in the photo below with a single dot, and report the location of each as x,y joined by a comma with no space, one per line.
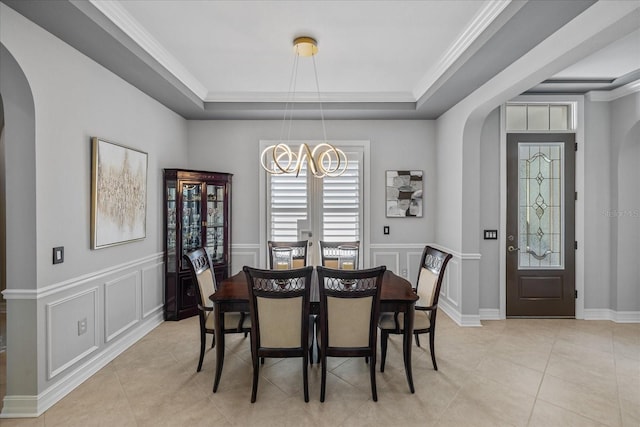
202,275
330,253
349,307
432,268
279,306
298,250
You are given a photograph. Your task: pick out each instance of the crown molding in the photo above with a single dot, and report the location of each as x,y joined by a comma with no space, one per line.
115,12
338,97
487,14
610,95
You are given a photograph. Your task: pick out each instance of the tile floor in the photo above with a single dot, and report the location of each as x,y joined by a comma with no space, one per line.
507,373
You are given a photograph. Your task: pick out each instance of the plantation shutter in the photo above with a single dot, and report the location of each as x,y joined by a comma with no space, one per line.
334,203
342,203
288,203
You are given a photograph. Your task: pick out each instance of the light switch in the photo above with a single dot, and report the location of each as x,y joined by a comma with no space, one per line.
385,229
490,234
58,255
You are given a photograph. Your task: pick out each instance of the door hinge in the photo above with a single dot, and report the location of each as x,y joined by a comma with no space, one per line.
575,245
576,293
575,147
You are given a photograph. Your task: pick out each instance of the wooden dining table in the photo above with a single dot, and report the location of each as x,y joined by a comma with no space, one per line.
396,295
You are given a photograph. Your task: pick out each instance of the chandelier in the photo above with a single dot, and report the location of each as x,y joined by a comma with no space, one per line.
323,159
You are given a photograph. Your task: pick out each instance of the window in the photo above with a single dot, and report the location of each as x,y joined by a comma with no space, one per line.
539,117
308,208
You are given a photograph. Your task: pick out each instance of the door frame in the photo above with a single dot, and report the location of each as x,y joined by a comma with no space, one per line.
577,105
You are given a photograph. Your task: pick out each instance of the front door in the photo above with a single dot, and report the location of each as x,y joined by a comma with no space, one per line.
540,225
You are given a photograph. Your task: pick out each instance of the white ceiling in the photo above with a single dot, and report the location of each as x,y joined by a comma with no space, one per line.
615,60
385,59
242,50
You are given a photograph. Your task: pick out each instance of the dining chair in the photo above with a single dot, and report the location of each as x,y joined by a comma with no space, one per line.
298,252
202,274
432,268
329,252
279,304
349,308
299,259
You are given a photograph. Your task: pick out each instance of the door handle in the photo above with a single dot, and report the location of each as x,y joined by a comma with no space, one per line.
512,249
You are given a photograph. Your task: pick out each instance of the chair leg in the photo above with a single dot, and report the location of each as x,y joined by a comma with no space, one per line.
372,371
366,359
384,337
323,377
203,342
305,378
433,350
213,341
254,388
417,339
262,360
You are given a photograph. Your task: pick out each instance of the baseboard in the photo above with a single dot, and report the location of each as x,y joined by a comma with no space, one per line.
34,406
612,315
465,320
489,314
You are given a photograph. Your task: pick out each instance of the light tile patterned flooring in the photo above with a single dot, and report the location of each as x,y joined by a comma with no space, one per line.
507,373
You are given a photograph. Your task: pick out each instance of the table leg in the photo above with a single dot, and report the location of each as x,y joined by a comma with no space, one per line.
219,327
407,339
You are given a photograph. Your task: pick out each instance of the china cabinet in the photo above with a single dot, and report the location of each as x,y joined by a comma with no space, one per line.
197,212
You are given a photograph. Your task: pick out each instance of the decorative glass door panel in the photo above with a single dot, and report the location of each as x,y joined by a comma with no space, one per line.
171,226
191,214
541,213
540,252
215,242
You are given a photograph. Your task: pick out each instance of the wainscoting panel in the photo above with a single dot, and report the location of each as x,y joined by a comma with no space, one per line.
402,259
413,264
152,289
72,330
451,287
244,254
112,300
121,304
390,259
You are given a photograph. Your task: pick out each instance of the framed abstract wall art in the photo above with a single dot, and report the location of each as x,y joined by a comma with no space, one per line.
403,194
118,194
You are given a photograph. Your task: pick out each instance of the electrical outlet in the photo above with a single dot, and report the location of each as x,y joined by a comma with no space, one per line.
82,326
404,272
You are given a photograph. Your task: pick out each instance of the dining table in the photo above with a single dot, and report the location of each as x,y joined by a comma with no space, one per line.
396,295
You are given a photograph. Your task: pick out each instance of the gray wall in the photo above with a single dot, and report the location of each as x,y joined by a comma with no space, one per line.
118,289
490,211
612,205
625,215
599,253
233,146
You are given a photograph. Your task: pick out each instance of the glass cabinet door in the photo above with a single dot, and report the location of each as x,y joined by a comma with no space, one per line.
215,222
191,211
171,226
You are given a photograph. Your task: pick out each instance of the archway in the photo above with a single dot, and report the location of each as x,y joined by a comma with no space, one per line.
19,202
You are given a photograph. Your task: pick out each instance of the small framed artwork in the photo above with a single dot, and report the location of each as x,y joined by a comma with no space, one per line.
118,194
404,194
